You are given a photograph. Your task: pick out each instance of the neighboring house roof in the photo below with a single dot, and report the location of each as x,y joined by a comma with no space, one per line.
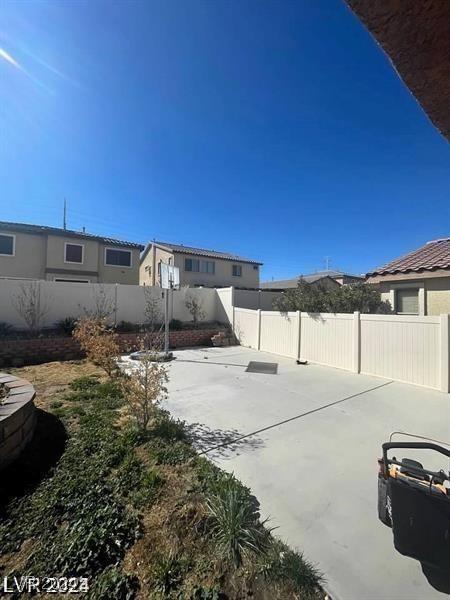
44,230
430,257
311,278
198,252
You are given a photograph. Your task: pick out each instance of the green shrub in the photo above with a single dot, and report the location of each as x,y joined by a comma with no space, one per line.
203,593
85,383
166,573
5,329
141,485
235,522
85,389
81,523
174,453
169,429
285,565
212,481
175,325
66,325
127,327
56,404
114,583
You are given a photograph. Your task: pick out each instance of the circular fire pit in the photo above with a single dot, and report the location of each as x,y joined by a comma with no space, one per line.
17,417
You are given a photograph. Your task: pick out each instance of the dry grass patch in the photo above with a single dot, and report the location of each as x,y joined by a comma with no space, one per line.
51,380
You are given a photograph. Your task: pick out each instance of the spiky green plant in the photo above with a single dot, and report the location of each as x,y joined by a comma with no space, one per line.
235,522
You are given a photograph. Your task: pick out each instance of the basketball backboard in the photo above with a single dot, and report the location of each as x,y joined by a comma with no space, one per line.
170,276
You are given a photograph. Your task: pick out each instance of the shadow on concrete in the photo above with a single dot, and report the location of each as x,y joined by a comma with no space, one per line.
36,461
204,438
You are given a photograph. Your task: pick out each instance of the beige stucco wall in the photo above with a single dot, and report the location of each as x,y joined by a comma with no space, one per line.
110,274
222,276
56,254
151,277
436,292
42,257
29,258
438,295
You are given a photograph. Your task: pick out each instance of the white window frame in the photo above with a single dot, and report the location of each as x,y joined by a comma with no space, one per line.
71,279
73,262
232,269
11,235
119,250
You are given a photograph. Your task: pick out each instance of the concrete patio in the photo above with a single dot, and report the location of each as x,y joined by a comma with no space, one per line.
316,476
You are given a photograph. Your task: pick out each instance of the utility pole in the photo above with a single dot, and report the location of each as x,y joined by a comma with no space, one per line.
65,215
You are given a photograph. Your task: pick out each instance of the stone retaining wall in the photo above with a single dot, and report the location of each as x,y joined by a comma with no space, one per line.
39,350
17,418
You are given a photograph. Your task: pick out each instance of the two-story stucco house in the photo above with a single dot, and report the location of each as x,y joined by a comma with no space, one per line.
419,282
198,267
40,252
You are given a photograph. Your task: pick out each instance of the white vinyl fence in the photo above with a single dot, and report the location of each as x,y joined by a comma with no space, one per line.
403,348
279,333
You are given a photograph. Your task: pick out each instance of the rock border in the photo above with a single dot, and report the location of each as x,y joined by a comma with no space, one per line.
17,417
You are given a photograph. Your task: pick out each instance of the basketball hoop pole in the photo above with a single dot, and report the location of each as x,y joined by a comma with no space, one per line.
166,321
170,278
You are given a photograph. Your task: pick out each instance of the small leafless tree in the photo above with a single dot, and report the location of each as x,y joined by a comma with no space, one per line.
103,304
145,388
152,311
30,305
194,304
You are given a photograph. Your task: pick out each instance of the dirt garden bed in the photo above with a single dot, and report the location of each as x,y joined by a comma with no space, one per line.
140,517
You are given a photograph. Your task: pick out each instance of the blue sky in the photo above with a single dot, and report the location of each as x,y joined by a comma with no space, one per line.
276,130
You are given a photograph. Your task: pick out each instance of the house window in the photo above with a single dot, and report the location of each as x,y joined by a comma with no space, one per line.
208,266
71,280
407,301
73,253
117,258
237,270
7,244
192,264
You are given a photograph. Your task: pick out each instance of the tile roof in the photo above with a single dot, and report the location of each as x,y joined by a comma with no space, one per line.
44,229
433,255
311,278
202,252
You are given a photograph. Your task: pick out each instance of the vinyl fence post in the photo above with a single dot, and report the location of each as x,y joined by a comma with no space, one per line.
356,341
258,330
299,334
445,355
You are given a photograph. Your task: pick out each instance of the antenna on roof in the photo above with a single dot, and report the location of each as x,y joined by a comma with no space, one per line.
327,260
65,214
